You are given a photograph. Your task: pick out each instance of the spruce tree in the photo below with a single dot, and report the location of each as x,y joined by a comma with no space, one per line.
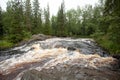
54,25
13,21
61,20
1,24
28,16
47,27
37,18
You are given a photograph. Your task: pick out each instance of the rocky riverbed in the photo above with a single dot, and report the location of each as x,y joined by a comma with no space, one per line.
58,59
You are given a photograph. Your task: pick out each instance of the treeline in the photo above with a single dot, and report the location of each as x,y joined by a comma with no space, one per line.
23,19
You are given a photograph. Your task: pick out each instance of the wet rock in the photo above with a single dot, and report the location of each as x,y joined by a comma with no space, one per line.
79,76
40,37
71,48
83,74
31,75
64,78
117,56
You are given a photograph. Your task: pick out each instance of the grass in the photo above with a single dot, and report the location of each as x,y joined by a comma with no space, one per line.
5,44
109,45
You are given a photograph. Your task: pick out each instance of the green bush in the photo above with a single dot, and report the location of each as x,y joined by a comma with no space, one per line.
26,34
108,44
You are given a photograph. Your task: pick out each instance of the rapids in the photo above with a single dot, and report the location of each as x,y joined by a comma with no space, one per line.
58,59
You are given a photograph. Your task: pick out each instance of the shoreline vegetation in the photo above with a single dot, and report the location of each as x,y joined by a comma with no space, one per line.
5,44
38,37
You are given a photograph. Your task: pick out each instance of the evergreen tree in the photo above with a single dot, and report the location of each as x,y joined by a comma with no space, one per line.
28,16
13,21
61,21
1,24
54,25
8,19
18,23
47,27
37,18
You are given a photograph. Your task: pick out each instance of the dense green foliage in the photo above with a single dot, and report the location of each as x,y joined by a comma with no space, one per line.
23,19
111,22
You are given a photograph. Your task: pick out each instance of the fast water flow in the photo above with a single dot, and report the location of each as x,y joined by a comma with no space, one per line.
49,53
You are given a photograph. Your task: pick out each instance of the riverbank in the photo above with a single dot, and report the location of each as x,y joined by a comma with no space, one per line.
6,44
105,44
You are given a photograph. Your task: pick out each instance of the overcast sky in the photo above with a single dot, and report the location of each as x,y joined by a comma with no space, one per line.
54,4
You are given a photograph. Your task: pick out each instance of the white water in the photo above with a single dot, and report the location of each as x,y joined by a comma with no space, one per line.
56,49
32,56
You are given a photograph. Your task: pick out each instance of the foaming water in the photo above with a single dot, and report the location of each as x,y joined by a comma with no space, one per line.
52,52
32,56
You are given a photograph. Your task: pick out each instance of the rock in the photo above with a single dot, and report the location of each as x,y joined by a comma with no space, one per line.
117,56
84,74
64,78
40,37
71,48
79,76
31,75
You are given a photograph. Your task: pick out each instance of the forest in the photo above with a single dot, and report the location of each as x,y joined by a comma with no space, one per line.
22,19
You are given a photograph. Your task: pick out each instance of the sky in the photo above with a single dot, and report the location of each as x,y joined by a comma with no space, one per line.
54,4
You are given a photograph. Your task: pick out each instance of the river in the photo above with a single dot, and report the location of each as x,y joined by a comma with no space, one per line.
58,59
